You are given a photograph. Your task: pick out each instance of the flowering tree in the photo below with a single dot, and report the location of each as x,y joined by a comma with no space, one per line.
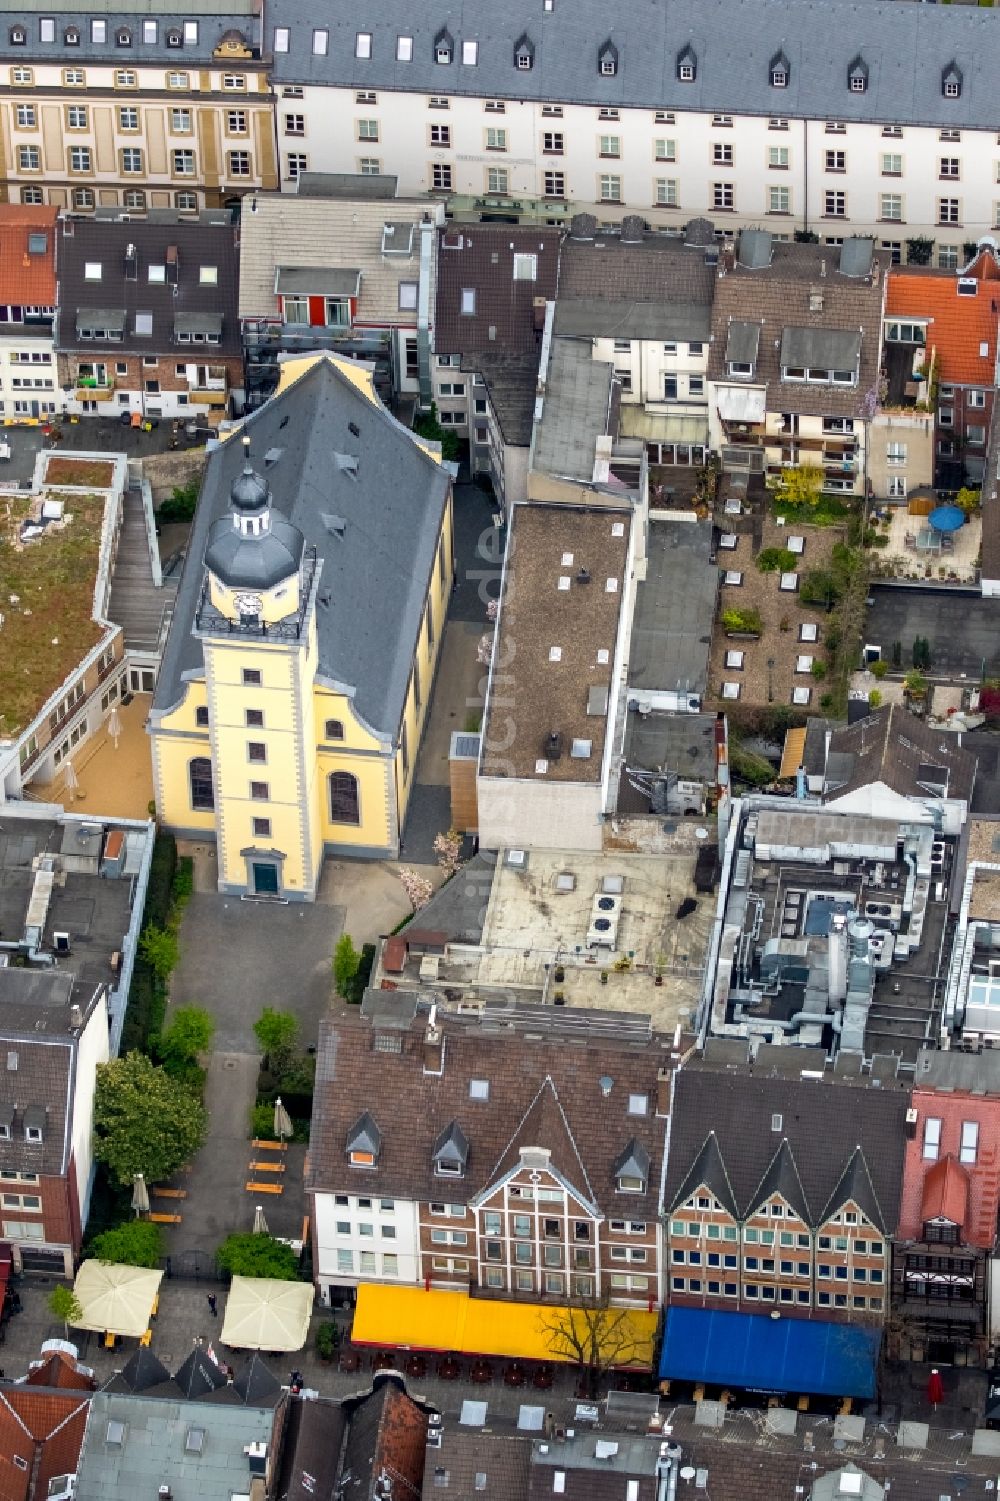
446,847
417,887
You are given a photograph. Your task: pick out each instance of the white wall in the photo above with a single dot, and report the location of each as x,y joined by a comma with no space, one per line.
37,378
92,1049
404,149
402,1241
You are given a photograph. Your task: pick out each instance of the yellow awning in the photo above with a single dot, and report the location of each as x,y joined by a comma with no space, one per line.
792,752
411,1318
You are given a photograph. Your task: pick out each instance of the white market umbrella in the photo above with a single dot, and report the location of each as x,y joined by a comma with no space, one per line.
71,781
115,725
264,1313
140,1195
259,1222
282,1120
115,1299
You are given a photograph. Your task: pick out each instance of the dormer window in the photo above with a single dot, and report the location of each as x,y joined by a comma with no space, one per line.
444,48
632,1169
857,76
123,38
71,36
175,38
607,60
951,82
34,1123
524,54
364,1142
18,36
687,65
779,71
451,1152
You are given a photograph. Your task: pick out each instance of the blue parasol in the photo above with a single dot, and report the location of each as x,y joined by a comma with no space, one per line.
947,518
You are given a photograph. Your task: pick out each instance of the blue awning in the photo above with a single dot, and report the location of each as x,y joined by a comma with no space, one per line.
756,1352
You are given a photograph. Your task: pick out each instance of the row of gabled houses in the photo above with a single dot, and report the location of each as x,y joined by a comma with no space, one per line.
544,1162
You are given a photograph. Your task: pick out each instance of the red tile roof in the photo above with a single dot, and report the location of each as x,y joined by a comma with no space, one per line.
60,1371
27,279
44,1432
960,325
946,1192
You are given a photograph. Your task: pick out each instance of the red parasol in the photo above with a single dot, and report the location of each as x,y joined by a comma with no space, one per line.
935,1388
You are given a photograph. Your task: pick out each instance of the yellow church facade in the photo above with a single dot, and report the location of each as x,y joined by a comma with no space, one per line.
297,674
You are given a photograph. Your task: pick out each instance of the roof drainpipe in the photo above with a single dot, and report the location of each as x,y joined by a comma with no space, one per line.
424,310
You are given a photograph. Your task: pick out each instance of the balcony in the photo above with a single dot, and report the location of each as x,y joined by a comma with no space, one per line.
94,391
210,396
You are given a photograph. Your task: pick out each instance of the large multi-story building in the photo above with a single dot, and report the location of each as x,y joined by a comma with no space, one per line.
130,109
499,1162
296,677
28,384
147,317
745,115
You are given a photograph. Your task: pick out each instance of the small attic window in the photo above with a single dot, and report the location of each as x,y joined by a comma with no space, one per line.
71,36
194,1441
779,71
607,60
687,65
479,1089
37,244
951,82
857,76
444,48
968,286
18,36
123,37
524,54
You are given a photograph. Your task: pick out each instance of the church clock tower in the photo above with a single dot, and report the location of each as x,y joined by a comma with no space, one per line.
257,625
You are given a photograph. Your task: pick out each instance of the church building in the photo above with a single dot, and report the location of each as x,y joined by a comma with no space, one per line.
298,669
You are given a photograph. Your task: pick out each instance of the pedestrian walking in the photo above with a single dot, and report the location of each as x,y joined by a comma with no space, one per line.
213,1304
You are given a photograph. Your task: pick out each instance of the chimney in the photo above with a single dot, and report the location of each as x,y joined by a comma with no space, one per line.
433,1045
172,259
727,261
75,1017
664,1090
822,266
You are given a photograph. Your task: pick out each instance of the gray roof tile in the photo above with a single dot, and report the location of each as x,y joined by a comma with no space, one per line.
905,47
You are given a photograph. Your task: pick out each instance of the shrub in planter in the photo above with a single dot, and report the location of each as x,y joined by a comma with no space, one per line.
745,622
326,1342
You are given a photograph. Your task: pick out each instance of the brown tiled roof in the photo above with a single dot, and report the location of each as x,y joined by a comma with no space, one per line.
503,1458
826,1124
411,1108
60,1371
661,268
43,1428
27,278
542,696
777,297
41,1080
895,747
106,241
946,1192
544,1124
481,257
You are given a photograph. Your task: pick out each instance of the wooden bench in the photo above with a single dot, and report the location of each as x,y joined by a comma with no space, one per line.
169,1193
264,1188
267,1167
260,1145
165,1219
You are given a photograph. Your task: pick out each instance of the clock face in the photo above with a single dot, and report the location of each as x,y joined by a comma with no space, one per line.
248,604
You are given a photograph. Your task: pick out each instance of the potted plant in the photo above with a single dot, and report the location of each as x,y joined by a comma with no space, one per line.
604,977
559,974
326,1341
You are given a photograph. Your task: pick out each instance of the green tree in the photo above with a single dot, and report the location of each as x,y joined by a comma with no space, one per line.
915,684
345,964
64,1305
968,499
775,560
801,485
249,1255
190,1032
144,1121
160,949
277,1032
426,425
135,1243
819,586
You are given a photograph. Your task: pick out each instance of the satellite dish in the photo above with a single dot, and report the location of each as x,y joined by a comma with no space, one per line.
701,833
688,1473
